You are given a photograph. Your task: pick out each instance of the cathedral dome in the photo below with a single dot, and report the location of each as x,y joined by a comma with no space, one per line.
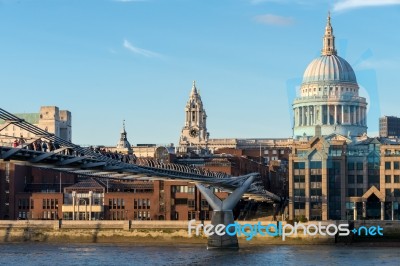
329,68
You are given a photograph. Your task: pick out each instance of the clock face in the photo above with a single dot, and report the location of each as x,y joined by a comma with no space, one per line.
193,132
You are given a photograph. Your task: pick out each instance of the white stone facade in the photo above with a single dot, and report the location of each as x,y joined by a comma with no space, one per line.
329,100
50,119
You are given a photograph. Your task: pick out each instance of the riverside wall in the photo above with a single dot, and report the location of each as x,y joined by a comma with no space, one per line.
162,232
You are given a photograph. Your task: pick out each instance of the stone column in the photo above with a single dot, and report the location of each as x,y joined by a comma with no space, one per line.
335,120
315,115
349,117
382,210
365,116
73,204
309,115
355,211
301,116
359,115
90,204
364,209
354,115
328,118
342,114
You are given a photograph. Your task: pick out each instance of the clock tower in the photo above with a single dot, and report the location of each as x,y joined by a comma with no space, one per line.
194,133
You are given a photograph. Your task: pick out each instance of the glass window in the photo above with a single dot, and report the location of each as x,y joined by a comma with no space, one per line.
316,192
299,165
299,205
191,203
387,165
299,192
299,178
359,166
359,179
396,165
350,166
359,192
315,164
396,179
315,178
351,179
388,179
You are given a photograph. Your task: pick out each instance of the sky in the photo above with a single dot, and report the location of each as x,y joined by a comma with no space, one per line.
112,60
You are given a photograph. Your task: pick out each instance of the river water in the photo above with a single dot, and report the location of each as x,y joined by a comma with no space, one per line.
134,254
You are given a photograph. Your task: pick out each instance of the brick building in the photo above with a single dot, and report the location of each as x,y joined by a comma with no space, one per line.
28,192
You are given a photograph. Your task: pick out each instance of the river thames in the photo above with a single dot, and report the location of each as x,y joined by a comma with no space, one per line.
128,254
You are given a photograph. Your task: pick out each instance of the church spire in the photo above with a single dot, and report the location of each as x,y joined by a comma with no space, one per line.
329,40
194,89
123,126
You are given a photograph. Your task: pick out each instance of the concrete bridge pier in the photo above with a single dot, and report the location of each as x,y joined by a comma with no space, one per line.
222,214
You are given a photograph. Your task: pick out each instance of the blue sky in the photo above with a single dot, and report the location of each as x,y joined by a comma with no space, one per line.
107,60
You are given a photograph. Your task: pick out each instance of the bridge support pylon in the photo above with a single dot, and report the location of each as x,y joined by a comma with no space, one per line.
222,214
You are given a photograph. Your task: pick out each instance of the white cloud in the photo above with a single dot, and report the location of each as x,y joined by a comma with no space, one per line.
138,50
344,5
271,19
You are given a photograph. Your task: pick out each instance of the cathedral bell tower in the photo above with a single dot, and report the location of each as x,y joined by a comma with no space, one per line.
194,133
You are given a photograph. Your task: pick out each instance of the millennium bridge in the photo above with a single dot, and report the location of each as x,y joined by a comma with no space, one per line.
71,158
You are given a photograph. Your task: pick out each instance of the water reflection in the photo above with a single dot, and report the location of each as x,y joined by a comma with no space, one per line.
133,254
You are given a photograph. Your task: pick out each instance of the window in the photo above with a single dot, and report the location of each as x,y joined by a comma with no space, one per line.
299,192
191,203
388,179
387,165
204,203
396,179
396,192
350,166
316,164
359,192
351,179
299,165
359,179
180,189
388,192
359,166
191,215
299,205
191,189
299,178
181,201
396,165
316,192
316,178
351,192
